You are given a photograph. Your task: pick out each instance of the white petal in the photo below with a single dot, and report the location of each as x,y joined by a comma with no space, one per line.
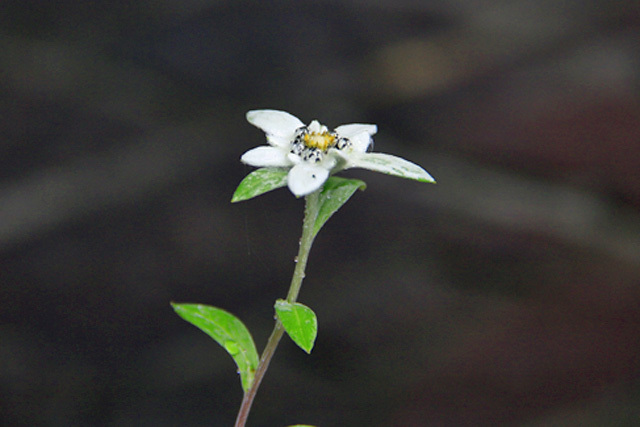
316,127
341,159
274,122
391,165
280,141
358,134
361,142
305,178
355,128
265,156
331,161
294,159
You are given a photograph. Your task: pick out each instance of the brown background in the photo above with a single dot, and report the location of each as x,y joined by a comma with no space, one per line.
509,293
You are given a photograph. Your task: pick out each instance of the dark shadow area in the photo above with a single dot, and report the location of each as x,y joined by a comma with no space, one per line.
507,294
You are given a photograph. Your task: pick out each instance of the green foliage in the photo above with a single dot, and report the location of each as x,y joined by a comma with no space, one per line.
299,321
391,165
229,332
335,193
259,182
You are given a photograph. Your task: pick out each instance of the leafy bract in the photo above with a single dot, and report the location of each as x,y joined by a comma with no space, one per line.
335,193
390,165
299,321
259,182
228,331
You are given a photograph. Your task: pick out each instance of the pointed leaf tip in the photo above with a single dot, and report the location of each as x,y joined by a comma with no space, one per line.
299,321
228,331
259,182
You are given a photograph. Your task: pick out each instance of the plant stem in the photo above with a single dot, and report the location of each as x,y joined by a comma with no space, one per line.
312,207
310,215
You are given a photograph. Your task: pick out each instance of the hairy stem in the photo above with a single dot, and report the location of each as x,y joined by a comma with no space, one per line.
310,214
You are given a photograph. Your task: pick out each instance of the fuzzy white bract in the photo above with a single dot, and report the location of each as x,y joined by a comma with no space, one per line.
313,153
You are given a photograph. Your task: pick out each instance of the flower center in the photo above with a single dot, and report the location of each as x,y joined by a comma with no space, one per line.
312,142
321,141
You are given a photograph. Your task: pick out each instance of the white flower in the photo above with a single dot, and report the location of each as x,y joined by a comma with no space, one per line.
313,152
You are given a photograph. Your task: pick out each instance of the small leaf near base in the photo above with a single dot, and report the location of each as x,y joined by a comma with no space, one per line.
228,331
299,321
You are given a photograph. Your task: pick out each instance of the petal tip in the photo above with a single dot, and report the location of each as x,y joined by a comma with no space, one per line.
274,122
305,179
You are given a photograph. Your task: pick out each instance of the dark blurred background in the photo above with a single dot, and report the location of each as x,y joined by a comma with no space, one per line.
508,293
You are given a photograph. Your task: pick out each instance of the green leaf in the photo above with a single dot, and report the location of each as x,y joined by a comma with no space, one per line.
391,165
335,193
259,182
299,321
229,332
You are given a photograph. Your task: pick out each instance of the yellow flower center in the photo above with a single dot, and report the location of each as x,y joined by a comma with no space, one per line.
321,141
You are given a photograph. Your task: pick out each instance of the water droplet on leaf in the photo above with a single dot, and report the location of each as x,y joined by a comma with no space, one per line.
232,347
